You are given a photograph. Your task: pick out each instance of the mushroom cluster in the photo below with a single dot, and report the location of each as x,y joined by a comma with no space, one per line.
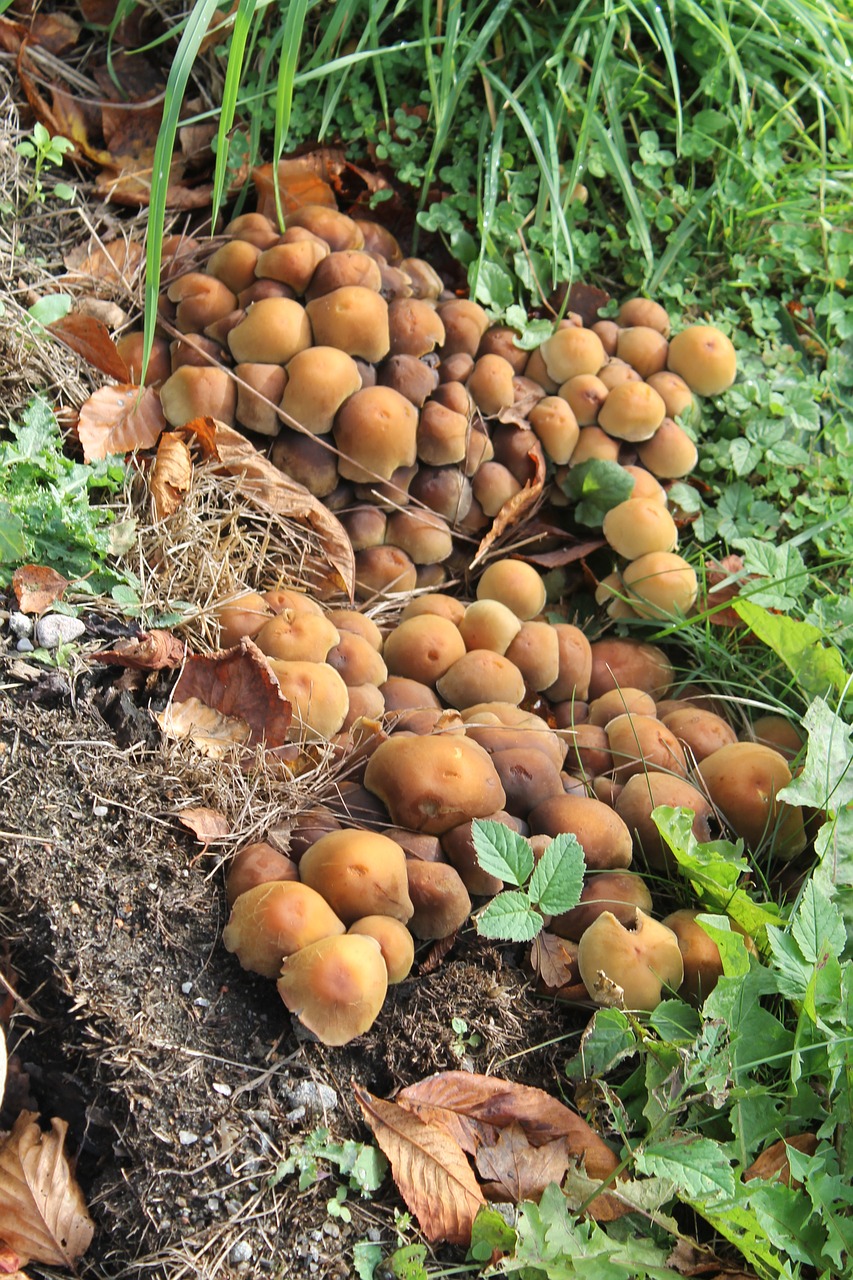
489,710
415,418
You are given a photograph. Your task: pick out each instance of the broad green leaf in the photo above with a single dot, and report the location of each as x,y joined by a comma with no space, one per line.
369,1168
595,487
502,852
52,307
738,1224
783,566
608,1039
790,963
509,917
826,779
557,879
730,943
490,1231
675,1021
699,1167
818,924
365,1259
13,546
817,667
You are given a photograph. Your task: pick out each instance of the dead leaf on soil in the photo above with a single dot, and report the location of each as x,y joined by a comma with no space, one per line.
226,698
114,263
555,962
90,339
565,555
429,1168
43,1215
774,1162
37,587
301,181
119,420
265,485
688,1260
205,824
171,475
203,432
513,1170
512,511
150,651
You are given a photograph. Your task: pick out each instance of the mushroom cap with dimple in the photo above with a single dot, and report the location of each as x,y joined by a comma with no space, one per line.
643,348
336,987
273,331
354,319
359,873
297,637
344,268
201,299
317,693
375,432
415,327
433,783
319,380
275,919
640,961
423,648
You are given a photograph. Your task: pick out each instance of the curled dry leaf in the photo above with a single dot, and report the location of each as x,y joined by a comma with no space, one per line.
205,824
119,420
203,432
150,651
90,339
230,697
114,263
43,1215
512,511
429,1167
513,1170
171,475
774,1161
36,587
269,488
554,961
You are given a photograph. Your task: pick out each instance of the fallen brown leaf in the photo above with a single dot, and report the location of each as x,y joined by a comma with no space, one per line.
270,488
430,1170
171,475
565,555
230,693
489,1100
56,32
36,587
90,339
513,510
119,420
43,1215
113,263
205,824
12,35
203,432
555,961
513,1170
3,1063
774,1161
151,651
212,732
301,181
9,1262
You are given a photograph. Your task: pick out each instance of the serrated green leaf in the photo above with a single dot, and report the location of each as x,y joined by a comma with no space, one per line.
675,1021
816,666
698,1167
818,925
608,1040
826,779
502,852
557,879
490,1231
509,917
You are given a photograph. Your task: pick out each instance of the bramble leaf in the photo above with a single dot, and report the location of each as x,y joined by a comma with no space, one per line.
502,852
557,879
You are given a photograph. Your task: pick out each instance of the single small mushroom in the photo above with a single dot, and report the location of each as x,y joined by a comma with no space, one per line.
342,269
254,227
660,585
259,389
584,394
632,411
275,919
358,873
413,378
603,836
381,571
618,663
423,648
200,299
336,987
338,230
643,348
423,535
629,966
441,901
639,526
234,264
516,585
273,331
705,358
319,380
644,311
490,384
670,453
254,864
297,637
743,780
535,650
433,783
354,320
318,696
488,624
557,428
619,892
645,792
194,391
415,327
639,742
464,322
395,942
594,443
239,616
702,731
375,433
477,675
571,351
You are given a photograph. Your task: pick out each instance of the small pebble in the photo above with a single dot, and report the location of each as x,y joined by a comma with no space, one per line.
223,1089
100,811
24,645
186,987
20,625
55,629
186,1138
240,1252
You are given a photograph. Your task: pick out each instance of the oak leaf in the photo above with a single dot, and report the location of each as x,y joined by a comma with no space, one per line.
43,1215
36,587
171,475
119,420
430,1170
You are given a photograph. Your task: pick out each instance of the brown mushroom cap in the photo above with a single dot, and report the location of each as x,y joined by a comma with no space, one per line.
378,239
537,372
575,665
273,331
340,270
780,733
433,783
375,432
705,358
643,348
615,372
423,648
674,392
415,327
336,987
256,864
499,726
435,602
584,394
365,525
703,964
515,584
234,264
645,484
383,570
618,702
130,348
592,443
193,392
254,227
660,584
365,703
639,526
354,320
426,282
618,663
275,919
280,599
357,662
494,485
259,390
743,780
644,312
641,960
458,845
339,231
413,378
602,834
588,753
359,623
535,650
297,637
442,435
445,490
488,624
670,453
319,380
358,873
478,675
640,742
527,776
643,793
242,615
306,460
292,262
395,941
201,299
632,411
570,352
423,535
556,426
464,322
491,384
441,901
619,892
702,731
317,693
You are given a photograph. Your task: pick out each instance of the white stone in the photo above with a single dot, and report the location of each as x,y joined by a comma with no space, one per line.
55,629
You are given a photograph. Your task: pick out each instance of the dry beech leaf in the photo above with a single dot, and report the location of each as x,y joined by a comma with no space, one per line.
513,510
774,1162
237,685
171,475
212,732
36,587
513,1170
555,961
205,824
90,339
150,651
43,1215
301,181
203,432
56,32
9,1264
114,263
431,1171
270,488
119,420
489,1100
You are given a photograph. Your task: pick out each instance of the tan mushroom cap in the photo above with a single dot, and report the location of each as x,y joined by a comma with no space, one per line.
411,377
234,264
644,311
423,535
478,675
358,873
632,411
643,348
639,742
375,431
618,663
488,624
639,961
442,436
440,899
194,391
660,584
602,834
354,319
395,942
200,299
705,358
317,693
292,262
423,648
535,650
515,584
743,780
620,892
415,327
254,227
645,484
433,783
359,623
297,637
343,268
498,726
575,655
670,453
571,351
273,331
592,443
435,602
275,919
378,239
426,282
336,987
608,332
491,384
494,485
584,394
674,392
319,380
384,570
259,390
357,662
642,794
339,231
239,616
306,460
556,426
255,864
639,526
464,322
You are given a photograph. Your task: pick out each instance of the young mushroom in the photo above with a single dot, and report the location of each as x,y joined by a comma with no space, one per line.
336,987
629,966
358,873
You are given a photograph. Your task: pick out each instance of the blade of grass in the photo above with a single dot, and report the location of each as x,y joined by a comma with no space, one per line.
233,75
291,39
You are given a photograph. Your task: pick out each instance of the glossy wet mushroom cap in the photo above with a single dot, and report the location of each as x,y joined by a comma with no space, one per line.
354,320
375,432
274,330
